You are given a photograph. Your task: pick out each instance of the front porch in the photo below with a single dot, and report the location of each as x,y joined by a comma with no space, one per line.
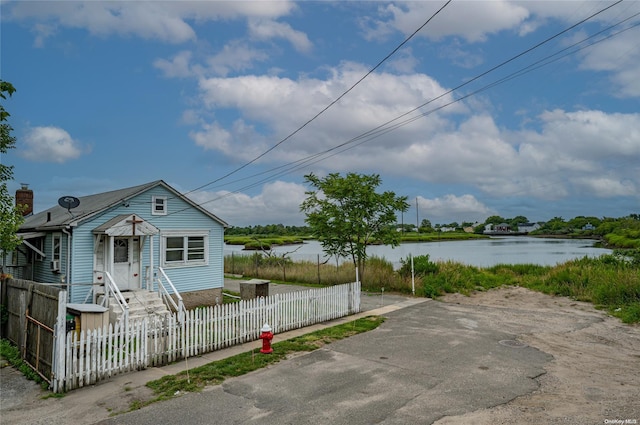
138,303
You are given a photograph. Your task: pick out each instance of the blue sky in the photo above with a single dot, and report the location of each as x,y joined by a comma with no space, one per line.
203,95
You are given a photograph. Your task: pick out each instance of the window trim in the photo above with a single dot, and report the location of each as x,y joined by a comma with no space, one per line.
39,243
154,204
185,235
56,254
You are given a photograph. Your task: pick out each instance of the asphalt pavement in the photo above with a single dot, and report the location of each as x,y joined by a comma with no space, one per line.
428,360
425,362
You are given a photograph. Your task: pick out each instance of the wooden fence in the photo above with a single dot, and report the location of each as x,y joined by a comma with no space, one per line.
86,357
30,314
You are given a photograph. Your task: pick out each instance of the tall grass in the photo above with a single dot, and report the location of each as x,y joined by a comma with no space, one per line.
611,282
261,266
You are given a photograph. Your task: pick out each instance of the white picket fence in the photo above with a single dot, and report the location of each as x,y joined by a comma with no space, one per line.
87,357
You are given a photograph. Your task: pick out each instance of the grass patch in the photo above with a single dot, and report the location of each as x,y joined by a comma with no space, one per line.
216,372
11,353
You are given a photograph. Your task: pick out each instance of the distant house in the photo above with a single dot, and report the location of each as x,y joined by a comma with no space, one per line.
472,228
447,229
128,233
528,227
502,227
588,226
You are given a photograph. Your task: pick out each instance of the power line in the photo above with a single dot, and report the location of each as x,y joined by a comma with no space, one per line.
386,127
405,41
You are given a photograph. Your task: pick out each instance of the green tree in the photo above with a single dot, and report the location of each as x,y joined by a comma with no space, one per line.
425,226
494,219
347,214
10,216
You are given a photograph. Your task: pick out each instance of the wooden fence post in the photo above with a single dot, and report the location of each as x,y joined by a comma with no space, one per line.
58,367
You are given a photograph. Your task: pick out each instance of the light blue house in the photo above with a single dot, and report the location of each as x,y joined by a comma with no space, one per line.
132,238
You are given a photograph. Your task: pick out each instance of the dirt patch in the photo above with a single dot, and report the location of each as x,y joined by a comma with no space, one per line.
595,375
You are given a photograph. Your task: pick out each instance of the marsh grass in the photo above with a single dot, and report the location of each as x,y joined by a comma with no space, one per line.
259,242
610,282
261,266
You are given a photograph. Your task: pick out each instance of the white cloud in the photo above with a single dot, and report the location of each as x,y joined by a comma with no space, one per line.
558,160
177,67
606,186
235,56
592,134
403,62
472,20
279,202
50,144
620,58
168,21
241,141
265,29
453,208
214,137
282,105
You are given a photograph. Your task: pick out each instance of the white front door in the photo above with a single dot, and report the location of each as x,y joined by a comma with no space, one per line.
126,262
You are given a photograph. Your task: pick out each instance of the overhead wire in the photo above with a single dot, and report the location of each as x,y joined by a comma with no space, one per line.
386,127
332,103
383,128
336,100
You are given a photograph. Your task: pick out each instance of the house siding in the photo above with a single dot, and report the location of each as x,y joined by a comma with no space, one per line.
41,270
82,268
181,216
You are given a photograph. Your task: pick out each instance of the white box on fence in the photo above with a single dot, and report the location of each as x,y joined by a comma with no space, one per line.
89,316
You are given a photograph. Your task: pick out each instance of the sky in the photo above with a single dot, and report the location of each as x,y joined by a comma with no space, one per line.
468,108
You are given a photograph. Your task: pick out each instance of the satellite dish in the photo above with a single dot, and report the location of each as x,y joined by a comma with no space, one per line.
68,202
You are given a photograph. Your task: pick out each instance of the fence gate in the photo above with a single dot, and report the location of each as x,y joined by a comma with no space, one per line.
32,310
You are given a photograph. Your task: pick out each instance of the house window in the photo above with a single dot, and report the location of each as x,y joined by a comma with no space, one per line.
121,250
159,205
39,243
56,247
36,254
185,250
14,257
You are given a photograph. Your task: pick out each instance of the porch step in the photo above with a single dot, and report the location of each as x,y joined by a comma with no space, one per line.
142,303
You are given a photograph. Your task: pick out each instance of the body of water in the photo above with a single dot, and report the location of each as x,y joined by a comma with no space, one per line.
475,252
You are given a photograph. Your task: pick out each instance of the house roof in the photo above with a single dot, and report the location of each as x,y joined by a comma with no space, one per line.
126,225
58,217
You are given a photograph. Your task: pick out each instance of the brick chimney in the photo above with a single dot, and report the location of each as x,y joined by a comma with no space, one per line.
24,198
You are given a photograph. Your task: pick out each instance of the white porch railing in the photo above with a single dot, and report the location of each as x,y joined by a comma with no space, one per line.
89,356
110,290
161,279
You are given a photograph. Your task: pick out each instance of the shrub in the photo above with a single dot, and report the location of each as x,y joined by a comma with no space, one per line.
422,266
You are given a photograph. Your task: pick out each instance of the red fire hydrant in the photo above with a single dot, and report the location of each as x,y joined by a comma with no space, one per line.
266,336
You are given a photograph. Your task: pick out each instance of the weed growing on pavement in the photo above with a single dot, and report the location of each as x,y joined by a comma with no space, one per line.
12,354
